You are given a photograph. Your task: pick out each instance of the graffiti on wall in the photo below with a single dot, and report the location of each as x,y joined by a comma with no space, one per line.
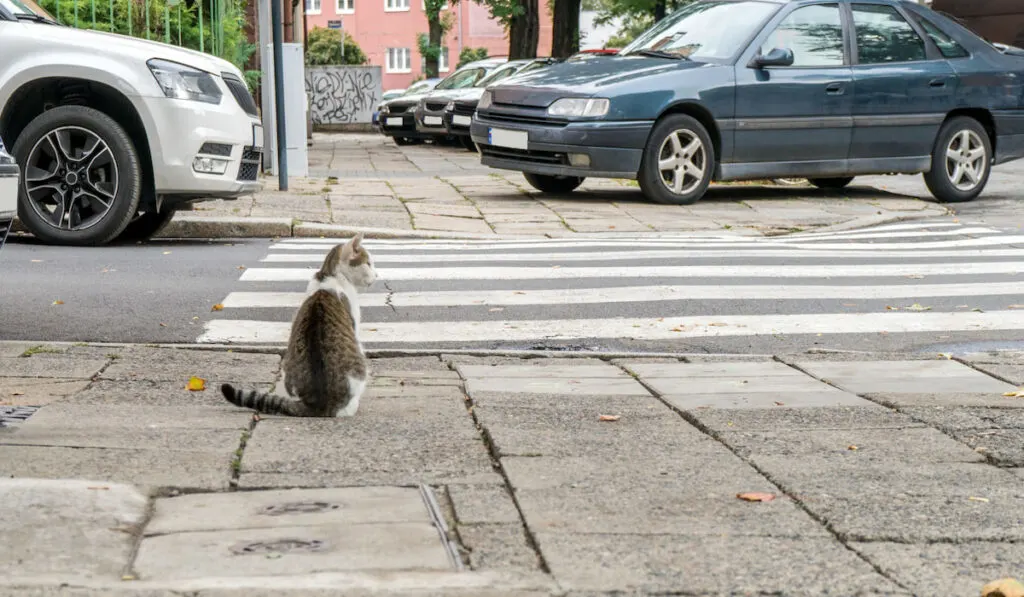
342,94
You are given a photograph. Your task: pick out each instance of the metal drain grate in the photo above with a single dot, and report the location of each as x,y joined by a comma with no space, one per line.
15,415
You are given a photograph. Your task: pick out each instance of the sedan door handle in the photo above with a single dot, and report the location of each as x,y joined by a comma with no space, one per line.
937,83
834,89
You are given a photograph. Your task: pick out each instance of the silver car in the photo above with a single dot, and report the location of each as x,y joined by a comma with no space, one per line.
9,173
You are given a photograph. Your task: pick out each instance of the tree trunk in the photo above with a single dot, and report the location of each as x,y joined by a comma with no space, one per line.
565,40
659,10
434,33
524,32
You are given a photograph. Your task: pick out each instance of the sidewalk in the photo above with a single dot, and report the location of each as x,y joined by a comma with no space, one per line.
365,182
497,475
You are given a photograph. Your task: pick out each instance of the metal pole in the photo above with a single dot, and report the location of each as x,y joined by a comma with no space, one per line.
146,2
112,29
130,17
342,41
167,24
201,48
93,14
282,147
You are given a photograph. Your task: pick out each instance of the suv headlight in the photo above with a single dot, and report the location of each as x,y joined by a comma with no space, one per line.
184,82
485,101
569,106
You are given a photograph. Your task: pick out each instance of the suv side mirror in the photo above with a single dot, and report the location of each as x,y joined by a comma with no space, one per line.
777,57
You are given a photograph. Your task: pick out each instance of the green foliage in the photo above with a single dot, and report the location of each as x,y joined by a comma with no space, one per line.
504,10
323,47
224,37
636,16
468,55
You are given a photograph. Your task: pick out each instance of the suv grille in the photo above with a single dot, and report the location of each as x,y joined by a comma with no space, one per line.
241,92
465,109
250,166
397,109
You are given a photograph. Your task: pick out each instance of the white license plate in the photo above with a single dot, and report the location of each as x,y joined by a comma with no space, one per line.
394,121
257,136
506,138
432,120
8,196
462,120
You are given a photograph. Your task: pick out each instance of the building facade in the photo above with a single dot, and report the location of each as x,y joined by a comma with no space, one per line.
387,30
999,21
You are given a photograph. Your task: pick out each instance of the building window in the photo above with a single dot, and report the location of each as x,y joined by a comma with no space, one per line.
442,61
396,5
312,7
399,60
345,7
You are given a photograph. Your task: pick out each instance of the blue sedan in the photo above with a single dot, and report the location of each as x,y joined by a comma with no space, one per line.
726,90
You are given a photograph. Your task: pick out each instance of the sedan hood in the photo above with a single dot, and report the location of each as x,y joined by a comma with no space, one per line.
584,79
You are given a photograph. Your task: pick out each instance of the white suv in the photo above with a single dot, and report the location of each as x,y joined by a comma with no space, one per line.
114,133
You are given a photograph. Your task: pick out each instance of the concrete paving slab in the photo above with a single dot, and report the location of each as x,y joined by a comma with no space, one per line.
387,365
428,222
483,504
562,370
592,386
865,447
10,349
904,376
944,399
37,391
459,361
953,418
141,467
904,501
758,401
51,367
287,508
739,385
137,363
944,569
678,493
467,210
498,547
709,565
448,390
1003,447
105,393
66,531
291,551
567,402
781,419
1014,373
679,371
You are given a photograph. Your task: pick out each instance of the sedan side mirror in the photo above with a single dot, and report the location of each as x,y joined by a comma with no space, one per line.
777,57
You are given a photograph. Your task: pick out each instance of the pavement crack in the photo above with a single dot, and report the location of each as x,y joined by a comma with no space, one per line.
138,534
390,296
236,460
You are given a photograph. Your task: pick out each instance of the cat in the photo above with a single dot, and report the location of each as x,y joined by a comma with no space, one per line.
324,368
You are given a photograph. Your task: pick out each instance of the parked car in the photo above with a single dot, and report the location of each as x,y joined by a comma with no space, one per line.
595,53
418,87
114,133
755,89
9,175
458,112
428,114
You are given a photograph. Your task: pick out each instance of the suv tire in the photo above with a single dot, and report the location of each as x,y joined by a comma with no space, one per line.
679,144
546,183
962,147
146,225
79,130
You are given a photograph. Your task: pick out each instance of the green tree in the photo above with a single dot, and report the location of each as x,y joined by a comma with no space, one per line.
565,34
431,44
636,15
468,55
323,47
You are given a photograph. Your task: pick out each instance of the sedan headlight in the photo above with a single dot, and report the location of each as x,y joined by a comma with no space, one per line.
569,106
449,107
485,101
184,82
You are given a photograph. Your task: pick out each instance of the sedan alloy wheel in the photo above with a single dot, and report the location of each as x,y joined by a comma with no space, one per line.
961,161
966,160
678,162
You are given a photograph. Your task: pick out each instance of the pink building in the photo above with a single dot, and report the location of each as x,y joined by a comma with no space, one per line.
386,30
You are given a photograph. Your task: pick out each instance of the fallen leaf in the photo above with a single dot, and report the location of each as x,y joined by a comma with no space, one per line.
17,393
777,403
1004,587
889,308
1018,393
163,325
915,276
128,577
755,496
196,384
217,307
609,418
918,307
977,310
37,261
717,324
167,252
519,292
852,448
978,499
241,267
676,330
948,356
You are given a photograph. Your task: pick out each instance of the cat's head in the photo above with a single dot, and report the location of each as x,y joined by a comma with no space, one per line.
350,261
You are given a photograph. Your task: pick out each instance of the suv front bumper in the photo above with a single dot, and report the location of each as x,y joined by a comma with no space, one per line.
10,175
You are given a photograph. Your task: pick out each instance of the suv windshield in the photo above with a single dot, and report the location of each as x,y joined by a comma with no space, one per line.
25,7
459,80
704,30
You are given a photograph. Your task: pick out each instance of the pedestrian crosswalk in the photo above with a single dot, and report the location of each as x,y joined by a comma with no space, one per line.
921,277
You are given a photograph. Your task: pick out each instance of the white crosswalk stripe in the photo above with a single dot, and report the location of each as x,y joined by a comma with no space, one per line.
901,278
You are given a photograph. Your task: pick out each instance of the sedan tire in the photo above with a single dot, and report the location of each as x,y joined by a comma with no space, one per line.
678,162
546,183
81,177
961,161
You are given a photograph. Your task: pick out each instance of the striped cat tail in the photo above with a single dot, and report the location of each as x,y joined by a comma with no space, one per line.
263,402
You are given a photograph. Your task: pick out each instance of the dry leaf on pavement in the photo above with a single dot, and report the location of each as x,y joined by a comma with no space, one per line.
978,499
1018,393
609,418
196,384
58,302
918,307
756,496
218,307
1004,587
852,448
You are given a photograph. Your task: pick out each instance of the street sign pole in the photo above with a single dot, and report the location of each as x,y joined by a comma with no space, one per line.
339,25
282,147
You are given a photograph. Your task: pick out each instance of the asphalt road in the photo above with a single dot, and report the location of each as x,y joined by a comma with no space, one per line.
945,287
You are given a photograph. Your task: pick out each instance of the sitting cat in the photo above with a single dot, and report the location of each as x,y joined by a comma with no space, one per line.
325,370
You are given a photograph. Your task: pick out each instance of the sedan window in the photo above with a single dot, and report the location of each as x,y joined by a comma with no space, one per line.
813,33
703,30
884,36
947,45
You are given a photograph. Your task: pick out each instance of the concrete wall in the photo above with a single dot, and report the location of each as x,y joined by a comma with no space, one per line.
342,96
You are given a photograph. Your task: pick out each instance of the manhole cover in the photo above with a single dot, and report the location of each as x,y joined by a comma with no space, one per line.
14,415
279,547
298,508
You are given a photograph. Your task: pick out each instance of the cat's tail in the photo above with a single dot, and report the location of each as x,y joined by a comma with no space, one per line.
263,402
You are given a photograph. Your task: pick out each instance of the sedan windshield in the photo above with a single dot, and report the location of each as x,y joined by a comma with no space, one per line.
462,79
27,8
703,30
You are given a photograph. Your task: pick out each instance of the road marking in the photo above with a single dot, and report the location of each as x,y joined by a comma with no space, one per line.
691,271
631,294
668,328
